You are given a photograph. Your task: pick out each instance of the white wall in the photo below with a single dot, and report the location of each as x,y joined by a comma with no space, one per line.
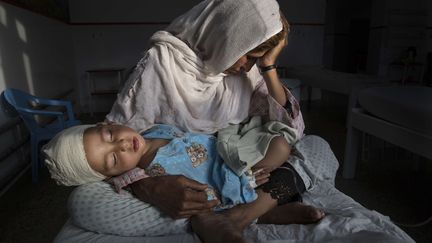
110,33
103,11
114,34
107,46
36,56
305,45
36,53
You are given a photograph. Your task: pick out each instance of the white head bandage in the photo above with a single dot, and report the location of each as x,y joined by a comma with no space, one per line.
66,159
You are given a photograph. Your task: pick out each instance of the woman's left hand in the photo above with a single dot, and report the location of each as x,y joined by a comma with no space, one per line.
269,58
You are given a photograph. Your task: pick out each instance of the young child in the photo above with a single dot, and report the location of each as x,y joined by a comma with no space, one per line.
87,153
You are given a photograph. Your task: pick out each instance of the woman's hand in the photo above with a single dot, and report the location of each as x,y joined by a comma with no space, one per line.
271,78
177,196
270,57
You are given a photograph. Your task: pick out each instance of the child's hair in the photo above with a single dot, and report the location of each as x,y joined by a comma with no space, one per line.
66,159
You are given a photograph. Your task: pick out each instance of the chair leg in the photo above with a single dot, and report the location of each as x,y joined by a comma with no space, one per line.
34,159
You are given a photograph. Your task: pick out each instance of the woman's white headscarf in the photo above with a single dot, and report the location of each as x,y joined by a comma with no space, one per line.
180,82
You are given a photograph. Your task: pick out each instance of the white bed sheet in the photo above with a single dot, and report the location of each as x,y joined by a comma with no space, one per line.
346,221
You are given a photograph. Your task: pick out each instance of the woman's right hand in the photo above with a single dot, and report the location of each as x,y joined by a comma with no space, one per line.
177,196
269,58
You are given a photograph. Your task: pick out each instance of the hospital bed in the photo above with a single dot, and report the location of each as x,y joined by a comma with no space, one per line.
400,115
345,221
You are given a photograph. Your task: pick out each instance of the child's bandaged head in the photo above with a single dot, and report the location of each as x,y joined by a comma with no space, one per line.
66,159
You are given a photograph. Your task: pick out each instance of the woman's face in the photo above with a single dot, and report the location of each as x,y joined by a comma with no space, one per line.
245,63
113,149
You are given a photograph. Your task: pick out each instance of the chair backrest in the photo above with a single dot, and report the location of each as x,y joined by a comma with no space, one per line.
23,102
41,115
20,99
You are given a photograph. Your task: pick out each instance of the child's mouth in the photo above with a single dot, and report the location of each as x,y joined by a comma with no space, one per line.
135,144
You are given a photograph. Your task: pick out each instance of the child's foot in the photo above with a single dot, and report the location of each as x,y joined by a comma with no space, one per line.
216,228
292,213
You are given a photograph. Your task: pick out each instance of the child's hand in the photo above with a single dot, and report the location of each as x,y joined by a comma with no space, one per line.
261,175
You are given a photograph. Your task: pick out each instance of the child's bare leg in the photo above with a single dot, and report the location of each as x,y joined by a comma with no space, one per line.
277,153
292,213
229,225
216,228
265,209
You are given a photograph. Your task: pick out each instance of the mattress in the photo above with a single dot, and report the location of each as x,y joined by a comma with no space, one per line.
346,221
407,106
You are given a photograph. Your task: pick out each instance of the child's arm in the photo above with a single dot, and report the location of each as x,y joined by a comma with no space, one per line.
277,153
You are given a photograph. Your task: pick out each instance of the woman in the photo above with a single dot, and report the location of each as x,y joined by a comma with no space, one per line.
200,75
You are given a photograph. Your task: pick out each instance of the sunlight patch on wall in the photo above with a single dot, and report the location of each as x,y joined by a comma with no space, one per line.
3,17
21,31
28,72
2,78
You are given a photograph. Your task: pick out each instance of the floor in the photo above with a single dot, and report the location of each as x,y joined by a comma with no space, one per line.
388,180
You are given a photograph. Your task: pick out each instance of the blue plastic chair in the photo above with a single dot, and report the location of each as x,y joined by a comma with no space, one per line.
31,109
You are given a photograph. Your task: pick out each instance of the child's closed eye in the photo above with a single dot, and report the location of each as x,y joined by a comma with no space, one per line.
110,134
115,159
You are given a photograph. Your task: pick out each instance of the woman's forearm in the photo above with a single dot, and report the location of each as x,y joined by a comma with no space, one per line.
141,189
274,86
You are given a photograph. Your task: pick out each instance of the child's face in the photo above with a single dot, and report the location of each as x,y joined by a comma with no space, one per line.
112,149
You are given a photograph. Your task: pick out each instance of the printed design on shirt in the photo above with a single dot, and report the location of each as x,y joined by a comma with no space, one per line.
155,169
177,134
211,194
197,154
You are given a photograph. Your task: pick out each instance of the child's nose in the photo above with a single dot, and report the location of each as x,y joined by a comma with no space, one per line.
124,145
